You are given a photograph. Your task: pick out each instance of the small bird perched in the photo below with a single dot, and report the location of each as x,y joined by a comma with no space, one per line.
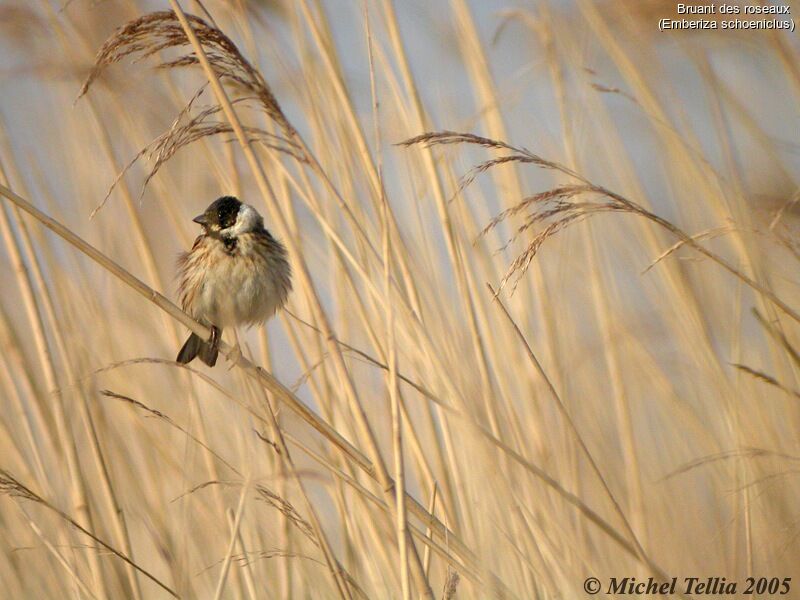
235,274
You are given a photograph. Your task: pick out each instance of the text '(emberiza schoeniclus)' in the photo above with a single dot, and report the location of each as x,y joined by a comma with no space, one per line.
235,274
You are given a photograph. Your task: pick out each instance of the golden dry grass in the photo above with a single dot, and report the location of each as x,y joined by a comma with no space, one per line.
625,406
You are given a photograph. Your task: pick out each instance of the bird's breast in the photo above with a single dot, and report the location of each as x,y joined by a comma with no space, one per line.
237,284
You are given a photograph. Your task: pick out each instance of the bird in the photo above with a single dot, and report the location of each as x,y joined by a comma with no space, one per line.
236,274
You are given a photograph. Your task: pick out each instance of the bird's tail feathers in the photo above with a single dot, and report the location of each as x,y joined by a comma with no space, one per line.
196,346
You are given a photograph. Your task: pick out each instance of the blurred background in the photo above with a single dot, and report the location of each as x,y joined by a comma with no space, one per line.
628,408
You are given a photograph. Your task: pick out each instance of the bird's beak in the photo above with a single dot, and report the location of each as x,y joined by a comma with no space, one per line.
201,220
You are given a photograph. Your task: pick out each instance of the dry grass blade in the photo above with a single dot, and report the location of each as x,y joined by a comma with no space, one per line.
436,138
787,206
246,559
743,453
703,235
761,376
487,165
254,555
778,335
520,155
204,485
60,558
287,510
11,486
167,419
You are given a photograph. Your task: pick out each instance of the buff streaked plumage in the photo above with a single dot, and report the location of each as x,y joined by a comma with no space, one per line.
236,273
